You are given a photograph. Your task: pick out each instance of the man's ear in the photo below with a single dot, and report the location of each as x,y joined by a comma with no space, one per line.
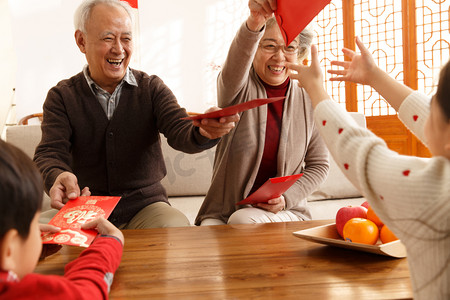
8,245
80,39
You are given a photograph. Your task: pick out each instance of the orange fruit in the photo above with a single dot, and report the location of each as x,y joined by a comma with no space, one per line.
386,235
359,230
373,217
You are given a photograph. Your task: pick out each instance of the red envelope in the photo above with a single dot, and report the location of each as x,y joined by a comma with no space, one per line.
231,110
272,188
75,213
133,3
294,15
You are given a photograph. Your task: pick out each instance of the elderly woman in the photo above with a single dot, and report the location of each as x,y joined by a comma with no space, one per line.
277,139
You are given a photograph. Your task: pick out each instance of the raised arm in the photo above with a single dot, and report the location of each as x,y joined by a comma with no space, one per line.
260,12
242,50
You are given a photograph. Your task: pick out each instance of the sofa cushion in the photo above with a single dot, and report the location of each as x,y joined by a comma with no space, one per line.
188,205
187,174
24,137
337,186
327,209
190,174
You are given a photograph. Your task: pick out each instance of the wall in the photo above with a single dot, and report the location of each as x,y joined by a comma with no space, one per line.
45,47
185,42
7,76
181,41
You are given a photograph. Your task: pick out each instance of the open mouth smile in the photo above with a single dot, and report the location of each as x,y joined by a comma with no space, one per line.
115,62
276,69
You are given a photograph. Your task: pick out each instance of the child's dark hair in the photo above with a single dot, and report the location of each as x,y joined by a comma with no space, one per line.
21,190
443,90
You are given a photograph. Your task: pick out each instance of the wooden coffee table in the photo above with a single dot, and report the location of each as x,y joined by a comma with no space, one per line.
244,262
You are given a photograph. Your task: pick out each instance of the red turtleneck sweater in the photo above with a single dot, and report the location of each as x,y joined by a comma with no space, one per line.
268,166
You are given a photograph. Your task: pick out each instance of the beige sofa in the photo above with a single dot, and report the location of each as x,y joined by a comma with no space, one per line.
188,176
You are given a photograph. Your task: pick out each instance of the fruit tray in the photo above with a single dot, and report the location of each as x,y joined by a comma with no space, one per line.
328,235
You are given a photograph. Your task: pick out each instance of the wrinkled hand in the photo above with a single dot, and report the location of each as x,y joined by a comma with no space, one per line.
103,226
216,128
65,188
274,205
309,77
360,67
260,12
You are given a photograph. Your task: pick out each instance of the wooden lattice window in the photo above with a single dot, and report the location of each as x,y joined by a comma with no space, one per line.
432,38
408,39
383,26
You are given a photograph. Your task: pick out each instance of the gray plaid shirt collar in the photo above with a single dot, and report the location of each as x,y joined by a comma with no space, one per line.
109,101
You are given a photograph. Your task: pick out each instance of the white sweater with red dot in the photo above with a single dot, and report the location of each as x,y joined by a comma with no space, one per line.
411,195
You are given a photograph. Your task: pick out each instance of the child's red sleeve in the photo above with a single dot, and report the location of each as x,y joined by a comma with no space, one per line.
87,277
93,271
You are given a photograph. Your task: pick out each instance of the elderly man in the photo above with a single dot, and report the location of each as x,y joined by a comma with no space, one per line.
101,127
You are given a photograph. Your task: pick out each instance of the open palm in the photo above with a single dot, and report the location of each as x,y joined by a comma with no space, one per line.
358,69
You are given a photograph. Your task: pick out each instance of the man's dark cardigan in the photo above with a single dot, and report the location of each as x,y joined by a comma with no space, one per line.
121,156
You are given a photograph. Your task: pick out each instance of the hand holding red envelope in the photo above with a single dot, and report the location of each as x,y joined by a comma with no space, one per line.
231,110
272,188
75,213
294,15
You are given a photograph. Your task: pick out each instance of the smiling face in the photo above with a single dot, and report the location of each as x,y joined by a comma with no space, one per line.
107,44
271,67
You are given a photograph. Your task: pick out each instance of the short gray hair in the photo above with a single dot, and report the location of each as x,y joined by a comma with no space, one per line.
305,39
83,12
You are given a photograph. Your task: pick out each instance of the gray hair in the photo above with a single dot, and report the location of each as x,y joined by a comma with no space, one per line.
83,12
304,39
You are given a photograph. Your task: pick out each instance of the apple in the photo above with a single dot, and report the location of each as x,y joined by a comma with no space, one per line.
346,213
365,204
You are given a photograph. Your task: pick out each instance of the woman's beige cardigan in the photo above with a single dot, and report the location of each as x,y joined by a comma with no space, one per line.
238,154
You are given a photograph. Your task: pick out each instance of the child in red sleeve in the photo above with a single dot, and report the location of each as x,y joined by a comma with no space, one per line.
88,277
